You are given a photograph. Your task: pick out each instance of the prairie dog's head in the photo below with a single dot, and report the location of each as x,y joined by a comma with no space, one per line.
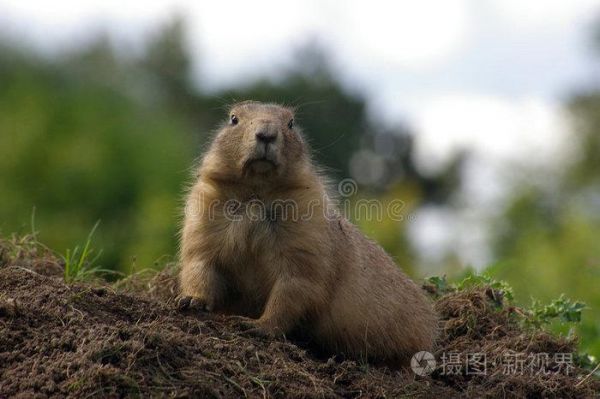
259,142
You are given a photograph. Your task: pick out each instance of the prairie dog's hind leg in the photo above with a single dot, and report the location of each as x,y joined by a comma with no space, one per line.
202,287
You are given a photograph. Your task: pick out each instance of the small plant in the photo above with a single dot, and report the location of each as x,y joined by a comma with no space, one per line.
81,264
562,309
440,286
588,362
481,280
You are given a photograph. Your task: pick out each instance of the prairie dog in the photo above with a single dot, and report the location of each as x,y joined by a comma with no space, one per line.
261,239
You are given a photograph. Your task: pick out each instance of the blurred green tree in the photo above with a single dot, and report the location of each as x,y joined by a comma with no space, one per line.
79,150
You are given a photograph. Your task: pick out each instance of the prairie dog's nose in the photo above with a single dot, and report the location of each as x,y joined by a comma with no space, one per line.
266,136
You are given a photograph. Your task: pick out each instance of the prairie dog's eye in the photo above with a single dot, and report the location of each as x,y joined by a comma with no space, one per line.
234,120
291,123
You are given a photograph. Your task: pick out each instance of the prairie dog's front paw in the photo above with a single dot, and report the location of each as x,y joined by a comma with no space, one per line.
260,332
186,302
242,322
254,328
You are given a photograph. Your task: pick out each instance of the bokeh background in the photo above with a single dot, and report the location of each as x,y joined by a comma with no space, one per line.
482,116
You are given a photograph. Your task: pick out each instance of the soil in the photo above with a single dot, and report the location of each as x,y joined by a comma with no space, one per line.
127,340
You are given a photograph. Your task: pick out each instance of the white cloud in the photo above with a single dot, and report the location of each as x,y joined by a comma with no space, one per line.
70,23
401,33
235,40
497,128
543,15
437,232
254,38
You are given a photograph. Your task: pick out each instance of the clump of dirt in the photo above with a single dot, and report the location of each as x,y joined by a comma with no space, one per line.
85,339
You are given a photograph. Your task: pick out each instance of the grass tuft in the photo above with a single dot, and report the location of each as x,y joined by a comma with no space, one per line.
81,264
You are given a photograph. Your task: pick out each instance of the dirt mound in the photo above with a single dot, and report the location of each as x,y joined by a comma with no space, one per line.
84,340
90,340
504,359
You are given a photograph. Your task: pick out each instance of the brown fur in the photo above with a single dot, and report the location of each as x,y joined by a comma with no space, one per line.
318,273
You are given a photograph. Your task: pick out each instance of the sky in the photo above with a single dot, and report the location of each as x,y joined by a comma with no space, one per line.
488,76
